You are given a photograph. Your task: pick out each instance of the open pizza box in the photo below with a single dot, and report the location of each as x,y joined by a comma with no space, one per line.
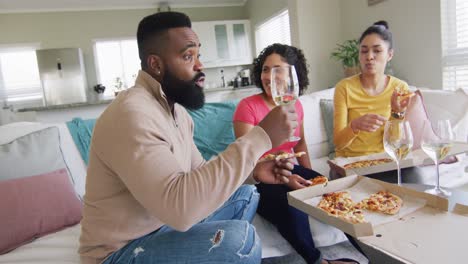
361,187
417,157
425,232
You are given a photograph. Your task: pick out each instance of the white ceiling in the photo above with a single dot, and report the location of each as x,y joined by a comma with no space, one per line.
20,6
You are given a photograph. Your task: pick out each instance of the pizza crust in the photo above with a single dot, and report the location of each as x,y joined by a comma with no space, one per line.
319,180
280,156
366,163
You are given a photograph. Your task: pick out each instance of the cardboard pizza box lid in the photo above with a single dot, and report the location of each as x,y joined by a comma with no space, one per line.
426,236
461,209
298,200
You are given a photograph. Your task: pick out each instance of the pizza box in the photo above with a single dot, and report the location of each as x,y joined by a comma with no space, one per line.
427,236
417,157
301,199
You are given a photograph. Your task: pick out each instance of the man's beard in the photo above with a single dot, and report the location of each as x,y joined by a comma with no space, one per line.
185,93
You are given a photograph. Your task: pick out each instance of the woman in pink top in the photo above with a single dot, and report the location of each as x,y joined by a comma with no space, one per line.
251,110
273,205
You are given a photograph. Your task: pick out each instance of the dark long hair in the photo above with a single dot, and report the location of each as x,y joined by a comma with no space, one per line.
291,55
380,28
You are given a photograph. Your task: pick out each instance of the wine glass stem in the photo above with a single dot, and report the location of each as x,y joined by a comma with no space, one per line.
437,175
399,172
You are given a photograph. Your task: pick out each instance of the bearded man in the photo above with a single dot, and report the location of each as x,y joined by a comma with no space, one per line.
150,196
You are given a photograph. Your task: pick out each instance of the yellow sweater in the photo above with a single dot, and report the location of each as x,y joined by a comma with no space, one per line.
350,102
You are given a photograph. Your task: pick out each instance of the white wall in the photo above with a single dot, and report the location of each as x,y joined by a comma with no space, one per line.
316,28
416,28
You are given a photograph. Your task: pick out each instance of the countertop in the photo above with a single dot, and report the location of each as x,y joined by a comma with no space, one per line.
65,106
108,100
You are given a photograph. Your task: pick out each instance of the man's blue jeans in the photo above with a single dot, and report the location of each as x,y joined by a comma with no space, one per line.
226,236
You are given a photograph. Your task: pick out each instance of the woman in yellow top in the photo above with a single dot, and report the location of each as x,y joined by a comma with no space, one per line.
365,101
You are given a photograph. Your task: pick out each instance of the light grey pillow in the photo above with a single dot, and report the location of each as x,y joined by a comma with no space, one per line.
326,108
33,154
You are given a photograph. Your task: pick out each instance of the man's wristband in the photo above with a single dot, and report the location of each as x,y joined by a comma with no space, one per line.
398,115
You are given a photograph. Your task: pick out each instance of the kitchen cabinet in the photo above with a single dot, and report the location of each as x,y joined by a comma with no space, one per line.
224,43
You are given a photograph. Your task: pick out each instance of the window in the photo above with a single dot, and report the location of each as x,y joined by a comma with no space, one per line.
455,44
19,74
275,30
116,59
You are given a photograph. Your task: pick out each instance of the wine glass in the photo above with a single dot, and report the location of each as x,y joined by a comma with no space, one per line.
436,141
397,140
285,88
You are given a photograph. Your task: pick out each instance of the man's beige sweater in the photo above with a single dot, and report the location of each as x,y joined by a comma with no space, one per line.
145,171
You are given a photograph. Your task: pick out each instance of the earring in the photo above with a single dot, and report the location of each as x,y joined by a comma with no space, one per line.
159,72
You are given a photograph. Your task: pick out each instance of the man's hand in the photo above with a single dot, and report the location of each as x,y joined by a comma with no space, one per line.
279,124
273,171
368,122
297,182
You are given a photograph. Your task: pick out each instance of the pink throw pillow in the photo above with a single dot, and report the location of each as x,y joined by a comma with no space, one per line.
416,115
36,206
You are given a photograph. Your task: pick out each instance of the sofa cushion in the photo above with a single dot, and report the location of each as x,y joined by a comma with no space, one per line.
416,115
213,130
35,206
326,107
452,105
81,132
32,154
71,155
314,127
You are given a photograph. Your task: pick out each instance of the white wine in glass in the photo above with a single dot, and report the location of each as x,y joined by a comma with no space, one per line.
398,141
436,141
285,87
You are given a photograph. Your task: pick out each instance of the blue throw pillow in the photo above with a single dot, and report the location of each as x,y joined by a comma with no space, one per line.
81,132
213,130
326,108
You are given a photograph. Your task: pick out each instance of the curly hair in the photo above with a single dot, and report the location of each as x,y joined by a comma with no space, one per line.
291,55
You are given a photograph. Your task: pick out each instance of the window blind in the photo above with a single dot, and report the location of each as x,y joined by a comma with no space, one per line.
19,74
275,30
455,44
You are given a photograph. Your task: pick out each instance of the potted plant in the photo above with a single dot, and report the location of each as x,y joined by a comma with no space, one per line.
348,54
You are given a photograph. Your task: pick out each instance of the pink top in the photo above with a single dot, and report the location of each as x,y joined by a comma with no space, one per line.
253,109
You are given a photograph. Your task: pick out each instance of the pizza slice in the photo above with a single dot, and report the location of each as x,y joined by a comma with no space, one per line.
366,163
319,180
283,155
383,202
340,204
404,93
